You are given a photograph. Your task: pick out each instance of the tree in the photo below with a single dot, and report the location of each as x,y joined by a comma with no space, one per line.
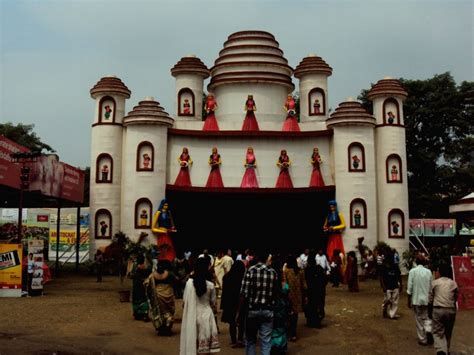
23,134
438,118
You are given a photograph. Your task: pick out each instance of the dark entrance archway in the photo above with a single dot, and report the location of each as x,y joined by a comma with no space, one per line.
274,219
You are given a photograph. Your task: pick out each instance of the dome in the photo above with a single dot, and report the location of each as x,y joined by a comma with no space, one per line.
148,111
110,85
312,64
190,65
251,57
387,87
350,112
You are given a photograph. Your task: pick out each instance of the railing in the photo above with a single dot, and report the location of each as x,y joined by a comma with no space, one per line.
419,241
72,249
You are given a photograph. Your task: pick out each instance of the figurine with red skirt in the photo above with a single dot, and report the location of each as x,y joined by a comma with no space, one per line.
210,124
250,121
291,122
316,176
333,227
163,226
215,178
184,160
250,178
284,178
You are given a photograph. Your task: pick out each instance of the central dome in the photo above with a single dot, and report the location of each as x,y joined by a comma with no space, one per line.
251,57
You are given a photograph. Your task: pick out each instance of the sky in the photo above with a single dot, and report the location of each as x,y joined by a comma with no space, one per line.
53,51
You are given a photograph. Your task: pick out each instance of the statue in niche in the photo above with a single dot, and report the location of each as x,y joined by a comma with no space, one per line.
355,162
105,172
357,218
316,107
144,218
103,229
394,173
186,107
395,227
391,117
210,124
108,112
146,161
250,121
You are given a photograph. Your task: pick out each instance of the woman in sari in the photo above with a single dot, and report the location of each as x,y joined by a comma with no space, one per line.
284,178
215,178
352,272
140,271
165,302
316,176
291,121
210,124
183,178
250,121
198,326
163,226
250,178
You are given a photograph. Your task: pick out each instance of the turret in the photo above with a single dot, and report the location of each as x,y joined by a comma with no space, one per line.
109,94
354,171
190,73
313,73
144,167
392,188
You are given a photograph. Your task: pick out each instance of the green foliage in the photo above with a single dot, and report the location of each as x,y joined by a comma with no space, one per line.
23,134
408,258
438,118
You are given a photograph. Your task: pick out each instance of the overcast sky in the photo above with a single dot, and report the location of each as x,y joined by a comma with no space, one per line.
53,52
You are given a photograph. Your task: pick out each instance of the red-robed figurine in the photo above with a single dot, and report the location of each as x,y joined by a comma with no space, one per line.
210,107
316,176
284,178
250,121
184,160
215,178
250,178
291,122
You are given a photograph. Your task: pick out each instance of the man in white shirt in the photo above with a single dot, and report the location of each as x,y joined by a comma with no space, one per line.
419,285
303,259
322,261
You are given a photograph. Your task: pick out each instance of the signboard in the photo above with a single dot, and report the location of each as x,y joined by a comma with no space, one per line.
35,263
462,271
9,171
433,227
416,227
10,270
67,239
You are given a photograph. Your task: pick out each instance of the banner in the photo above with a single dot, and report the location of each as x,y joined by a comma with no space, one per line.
67,239
35,263
462,271
9,171
10,270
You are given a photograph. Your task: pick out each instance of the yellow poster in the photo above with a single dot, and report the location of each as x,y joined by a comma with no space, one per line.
10,269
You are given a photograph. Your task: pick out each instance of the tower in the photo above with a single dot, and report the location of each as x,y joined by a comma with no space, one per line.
106,157
355,171
313,73
387,97
144,165
190,73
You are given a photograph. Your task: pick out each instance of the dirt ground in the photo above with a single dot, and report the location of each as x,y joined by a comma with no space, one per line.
77,315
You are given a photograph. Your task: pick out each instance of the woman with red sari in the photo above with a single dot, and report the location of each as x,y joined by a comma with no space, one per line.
250,122
250,178
291,122
284,163
210,124
183,178
215,178
316,176
163,226
333,226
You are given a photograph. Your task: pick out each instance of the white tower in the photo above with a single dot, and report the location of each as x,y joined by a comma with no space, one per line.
190,73
313,73
354,171
392,187
106,158
144,167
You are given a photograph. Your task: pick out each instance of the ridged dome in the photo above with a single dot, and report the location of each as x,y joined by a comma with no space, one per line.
250,57
190,65
387,87
110,85
312,64
148,111
350,112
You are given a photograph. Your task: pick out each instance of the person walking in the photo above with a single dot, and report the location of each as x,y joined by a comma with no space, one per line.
418,288
316,280
258,291
443,296
392,286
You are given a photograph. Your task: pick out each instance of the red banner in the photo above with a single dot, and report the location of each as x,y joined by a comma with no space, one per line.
9,171
462,270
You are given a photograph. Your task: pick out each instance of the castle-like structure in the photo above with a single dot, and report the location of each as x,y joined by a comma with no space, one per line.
363,155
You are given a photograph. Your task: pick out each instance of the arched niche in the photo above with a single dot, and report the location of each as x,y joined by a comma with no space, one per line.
358,209
103,224
396,223
316,102
356,157
391,112
145,156
143,213
186,103
107,108
393,169
104,169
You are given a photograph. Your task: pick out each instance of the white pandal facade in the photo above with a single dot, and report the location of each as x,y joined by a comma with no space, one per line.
364,155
